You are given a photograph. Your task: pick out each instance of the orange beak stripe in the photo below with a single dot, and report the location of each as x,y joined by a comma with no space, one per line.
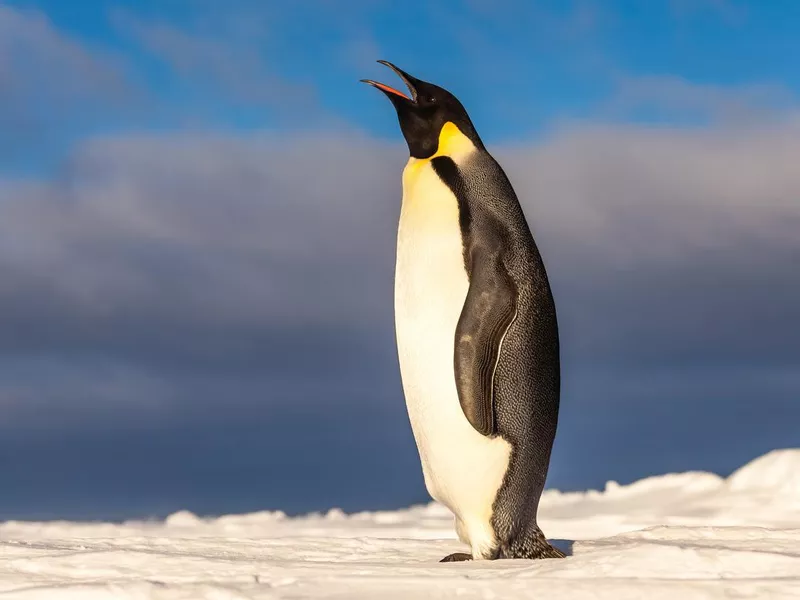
389,89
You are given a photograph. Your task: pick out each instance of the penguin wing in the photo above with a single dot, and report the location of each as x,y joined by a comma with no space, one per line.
489,310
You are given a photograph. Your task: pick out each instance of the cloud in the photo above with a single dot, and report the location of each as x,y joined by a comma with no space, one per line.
666,243
677,98
47,76
253,259
223,58
30,42
133,220
262,259
56,86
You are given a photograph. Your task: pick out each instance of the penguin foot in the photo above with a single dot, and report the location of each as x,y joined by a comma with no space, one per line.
457,557
533,545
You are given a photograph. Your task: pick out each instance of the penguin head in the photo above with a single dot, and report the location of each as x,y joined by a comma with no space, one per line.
424,113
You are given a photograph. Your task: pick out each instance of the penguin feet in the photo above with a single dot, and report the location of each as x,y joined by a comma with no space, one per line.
457,557
531,545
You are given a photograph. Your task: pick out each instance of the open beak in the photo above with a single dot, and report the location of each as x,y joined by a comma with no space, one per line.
390,91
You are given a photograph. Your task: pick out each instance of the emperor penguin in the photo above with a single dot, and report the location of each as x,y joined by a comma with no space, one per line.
476,330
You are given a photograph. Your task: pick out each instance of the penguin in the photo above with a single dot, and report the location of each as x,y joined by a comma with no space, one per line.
476,330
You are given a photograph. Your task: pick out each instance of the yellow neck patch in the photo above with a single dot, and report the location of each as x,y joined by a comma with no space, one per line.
452,143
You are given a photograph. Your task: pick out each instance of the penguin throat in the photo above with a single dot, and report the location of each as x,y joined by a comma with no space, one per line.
452,142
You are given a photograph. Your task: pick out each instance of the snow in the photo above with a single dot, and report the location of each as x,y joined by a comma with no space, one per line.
686,536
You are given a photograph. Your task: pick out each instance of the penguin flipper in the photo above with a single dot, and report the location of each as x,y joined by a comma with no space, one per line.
489,310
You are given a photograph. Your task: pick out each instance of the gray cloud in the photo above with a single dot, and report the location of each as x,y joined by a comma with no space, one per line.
145,224
678,245
243,264
264,259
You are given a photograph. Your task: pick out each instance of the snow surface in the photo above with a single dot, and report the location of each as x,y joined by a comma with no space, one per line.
680,536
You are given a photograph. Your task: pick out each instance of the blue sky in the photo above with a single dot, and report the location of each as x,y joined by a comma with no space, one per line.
296,66
198,206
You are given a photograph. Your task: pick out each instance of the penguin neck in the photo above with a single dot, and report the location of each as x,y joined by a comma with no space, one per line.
453,143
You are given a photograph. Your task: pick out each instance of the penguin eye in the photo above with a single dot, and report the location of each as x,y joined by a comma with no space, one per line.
431,99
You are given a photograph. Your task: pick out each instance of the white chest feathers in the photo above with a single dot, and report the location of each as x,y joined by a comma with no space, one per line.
462,468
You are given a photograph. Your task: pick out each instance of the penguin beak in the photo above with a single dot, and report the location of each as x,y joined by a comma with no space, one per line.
390,91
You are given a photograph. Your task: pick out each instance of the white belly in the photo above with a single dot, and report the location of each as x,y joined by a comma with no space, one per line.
462,468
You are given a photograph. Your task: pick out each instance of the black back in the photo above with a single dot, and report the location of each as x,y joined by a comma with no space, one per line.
526,381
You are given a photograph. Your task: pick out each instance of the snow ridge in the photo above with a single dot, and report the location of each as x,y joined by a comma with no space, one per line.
688,535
